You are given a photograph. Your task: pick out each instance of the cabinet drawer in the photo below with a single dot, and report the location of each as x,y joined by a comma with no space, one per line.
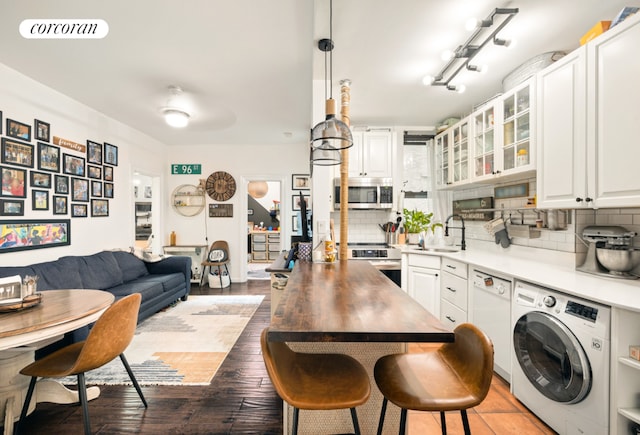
259,247
274,248
259,238
451,315
274,238
259,255
454,289
273,255
429,261
454,266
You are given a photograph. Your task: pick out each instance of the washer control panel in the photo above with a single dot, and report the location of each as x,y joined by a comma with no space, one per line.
583,311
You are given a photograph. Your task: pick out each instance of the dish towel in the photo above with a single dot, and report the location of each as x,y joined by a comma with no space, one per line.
497,228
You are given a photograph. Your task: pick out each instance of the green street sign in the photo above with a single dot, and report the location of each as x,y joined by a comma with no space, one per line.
186,169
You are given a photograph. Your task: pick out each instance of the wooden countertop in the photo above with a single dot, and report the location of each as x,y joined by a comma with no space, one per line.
350,301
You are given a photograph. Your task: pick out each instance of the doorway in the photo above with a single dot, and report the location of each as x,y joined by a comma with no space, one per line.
146,198
264,225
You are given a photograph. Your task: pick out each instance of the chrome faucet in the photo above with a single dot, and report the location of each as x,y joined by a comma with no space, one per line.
463,243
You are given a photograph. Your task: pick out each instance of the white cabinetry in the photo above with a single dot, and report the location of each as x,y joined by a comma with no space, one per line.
484,139
443,178
588,107
454,293
452,155
371,154
423,281
625,372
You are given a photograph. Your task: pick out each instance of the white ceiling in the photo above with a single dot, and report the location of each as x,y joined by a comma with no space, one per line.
247,66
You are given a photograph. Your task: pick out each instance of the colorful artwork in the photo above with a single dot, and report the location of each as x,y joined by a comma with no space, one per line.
33,234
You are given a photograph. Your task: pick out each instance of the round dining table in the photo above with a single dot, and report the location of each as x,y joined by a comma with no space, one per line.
24,331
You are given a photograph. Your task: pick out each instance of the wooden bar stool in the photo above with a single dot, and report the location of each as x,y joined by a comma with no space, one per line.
315,381
454,377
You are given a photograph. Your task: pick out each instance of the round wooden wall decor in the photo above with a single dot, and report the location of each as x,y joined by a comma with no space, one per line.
220,186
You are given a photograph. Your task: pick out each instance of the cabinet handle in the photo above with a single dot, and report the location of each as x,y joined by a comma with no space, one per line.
578,199
451,289
449,318
451,267
587,199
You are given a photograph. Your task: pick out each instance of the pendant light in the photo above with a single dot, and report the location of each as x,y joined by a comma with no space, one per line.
174,115
330,136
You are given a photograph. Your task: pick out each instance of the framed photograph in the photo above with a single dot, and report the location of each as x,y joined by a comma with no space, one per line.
110,154
13,182
99,207
11,207
294,223
42,130
94,172
94,152
295,200
79,189
79,210
96,188
60,204
107,173
19,235
40,179
48,157
18,130
300,182
17,153
72,165
61,183
108,190
39,199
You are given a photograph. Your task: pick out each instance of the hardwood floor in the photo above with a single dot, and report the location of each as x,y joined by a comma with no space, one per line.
241,399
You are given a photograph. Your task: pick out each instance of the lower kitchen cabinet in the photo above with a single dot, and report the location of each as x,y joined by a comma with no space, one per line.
423,281
453,293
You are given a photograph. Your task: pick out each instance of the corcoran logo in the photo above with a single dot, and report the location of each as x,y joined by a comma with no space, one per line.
64,29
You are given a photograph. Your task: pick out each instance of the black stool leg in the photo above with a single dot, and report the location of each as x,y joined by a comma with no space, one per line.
228,274
220,275
133,379
354,418
465,422
294,430
403,421
443,421
82,393
382,413
27,401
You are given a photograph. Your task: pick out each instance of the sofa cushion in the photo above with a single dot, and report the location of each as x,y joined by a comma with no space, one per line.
170,282
60,274
147,289
130,265
16,270
99,271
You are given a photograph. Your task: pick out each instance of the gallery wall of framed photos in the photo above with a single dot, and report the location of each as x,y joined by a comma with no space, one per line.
41,172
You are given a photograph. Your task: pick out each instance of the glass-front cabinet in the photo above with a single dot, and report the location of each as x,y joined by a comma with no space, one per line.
442,159
484,141
460,142
517,151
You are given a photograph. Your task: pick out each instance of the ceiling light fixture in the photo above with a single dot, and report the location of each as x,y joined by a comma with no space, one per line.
175,116
484,32
331,135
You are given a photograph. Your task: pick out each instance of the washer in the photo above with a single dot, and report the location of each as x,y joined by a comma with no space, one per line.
560,359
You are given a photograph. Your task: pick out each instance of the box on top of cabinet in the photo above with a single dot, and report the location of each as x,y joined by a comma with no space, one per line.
598,29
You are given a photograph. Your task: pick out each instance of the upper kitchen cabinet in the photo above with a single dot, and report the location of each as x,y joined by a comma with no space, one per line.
562,127
587,104
452,155
484,140
517,143
371,154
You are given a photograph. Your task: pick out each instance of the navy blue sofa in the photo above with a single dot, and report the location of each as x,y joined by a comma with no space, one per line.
160,283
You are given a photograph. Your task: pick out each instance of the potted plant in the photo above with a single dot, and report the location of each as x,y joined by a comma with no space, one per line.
416,222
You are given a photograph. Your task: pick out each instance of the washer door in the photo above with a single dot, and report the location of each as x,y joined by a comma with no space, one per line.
552,358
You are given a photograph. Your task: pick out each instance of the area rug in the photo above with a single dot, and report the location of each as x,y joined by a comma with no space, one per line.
183,345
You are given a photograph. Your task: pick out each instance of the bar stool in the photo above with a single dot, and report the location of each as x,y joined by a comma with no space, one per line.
315,381
454,377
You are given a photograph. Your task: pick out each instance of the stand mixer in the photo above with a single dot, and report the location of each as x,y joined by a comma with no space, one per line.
610,252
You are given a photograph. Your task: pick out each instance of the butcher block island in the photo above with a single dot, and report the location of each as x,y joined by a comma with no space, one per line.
349,307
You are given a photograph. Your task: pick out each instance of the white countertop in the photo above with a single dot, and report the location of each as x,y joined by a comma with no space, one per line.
546,268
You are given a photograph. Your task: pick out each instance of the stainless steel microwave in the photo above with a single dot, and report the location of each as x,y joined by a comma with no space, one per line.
365,193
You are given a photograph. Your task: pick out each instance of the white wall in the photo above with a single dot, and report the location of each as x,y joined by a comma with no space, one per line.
244,163
24,99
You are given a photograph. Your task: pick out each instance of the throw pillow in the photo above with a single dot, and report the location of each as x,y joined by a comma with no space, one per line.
217,255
